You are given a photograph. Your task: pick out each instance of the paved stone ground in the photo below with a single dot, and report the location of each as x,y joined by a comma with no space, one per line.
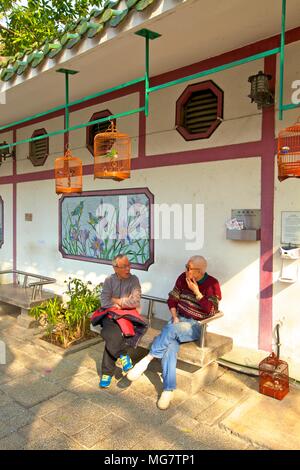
52,402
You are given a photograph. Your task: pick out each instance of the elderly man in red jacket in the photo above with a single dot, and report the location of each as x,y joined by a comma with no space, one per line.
195,296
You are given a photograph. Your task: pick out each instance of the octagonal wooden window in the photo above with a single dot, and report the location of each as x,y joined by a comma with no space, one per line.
39,149
93,130
199,110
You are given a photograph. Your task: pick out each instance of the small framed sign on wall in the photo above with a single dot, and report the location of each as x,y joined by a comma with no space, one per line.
96,226
290,227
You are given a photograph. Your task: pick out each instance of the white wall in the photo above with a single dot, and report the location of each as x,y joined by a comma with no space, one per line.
126,124
56,145
220,186
242,120
234,263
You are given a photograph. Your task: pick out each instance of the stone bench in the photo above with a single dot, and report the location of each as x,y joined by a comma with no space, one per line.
23,293
197,360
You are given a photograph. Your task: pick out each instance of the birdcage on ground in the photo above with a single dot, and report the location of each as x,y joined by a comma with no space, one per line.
273,377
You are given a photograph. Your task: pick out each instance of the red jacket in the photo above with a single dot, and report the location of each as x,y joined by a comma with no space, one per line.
130,321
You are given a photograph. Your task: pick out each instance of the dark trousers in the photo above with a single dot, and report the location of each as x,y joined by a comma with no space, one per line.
115,345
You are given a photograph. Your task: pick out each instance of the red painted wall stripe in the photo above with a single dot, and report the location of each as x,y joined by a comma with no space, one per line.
267,218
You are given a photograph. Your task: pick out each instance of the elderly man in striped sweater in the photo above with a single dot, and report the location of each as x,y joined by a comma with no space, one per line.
195,296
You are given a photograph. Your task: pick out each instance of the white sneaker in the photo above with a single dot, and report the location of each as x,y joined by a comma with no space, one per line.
138,369
165,399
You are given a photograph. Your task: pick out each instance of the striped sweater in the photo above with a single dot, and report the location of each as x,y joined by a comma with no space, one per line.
184,300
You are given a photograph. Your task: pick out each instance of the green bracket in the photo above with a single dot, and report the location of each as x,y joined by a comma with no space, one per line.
67,72
147,34
282,44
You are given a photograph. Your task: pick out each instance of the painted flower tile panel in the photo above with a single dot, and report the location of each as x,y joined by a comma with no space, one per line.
99,227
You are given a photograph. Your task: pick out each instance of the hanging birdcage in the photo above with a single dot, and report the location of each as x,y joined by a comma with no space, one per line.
68,174
288,156
112,153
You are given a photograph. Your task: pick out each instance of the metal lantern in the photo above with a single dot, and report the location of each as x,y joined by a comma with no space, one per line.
5,152
260,91
273,377
68,174
288,156
112,154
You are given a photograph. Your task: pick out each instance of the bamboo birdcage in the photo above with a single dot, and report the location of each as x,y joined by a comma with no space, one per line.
68,174
273,377
112,154
288,156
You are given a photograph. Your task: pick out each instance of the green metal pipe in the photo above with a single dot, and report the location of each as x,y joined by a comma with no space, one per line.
67,112
220,68
147,78
286,107
282,44
73,128
73,103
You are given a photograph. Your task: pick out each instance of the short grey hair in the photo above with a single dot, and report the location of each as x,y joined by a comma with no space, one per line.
197,259
116,259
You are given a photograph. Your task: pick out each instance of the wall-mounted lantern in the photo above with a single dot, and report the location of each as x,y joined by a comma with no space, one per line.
5,152
260,90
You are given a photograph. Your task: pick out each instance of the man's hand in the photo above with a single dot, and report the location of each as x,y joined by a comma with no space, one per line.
173,311
193,286
117,302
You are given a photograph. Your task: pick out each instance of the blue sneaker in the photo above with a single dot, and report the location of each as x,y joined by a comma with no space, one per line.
126,363
105,381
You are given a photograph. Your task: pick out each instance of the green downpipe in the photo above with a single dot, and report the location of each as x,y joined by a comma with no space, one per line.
282,44
147,78
67,112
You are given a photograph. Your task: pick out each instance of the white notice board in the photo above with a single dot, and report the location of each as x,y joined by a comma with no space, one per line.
290,227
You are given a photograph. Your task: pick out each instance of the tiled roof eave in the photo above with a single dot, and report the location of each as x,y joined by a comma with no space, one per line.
113,14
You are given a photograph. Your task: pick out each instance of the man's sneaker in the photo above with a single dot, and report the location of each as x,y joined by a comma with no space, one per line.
138,369
105,381
165,399
126,362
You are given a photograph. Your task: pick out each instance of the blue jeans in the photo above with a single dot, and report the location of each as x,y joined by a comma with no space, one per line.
166,345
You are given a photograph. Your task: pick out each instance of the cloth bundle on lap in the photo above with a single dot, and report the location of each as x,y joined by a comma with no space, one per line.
130,321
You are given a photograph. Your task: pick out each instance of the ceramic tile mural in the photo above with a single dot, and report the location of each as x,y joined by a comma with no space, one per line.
98,225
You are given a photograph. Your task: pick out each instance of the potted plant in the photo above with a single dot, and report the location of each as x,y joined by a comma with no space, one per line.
68,322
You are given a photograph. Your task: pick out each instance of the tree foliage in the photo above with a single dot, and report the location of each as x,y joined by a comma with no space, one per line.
27,24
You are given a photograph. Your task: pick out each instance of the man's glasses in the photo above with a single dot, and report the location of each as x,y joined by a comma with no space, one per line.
123,267
188,268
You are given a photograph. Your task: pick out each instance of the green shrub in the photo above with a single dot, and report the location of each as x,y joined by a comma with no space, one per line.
66,323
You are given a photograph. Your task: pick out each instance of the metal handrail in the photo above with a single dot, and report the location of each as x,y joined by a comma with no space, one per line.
42,280
203,322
